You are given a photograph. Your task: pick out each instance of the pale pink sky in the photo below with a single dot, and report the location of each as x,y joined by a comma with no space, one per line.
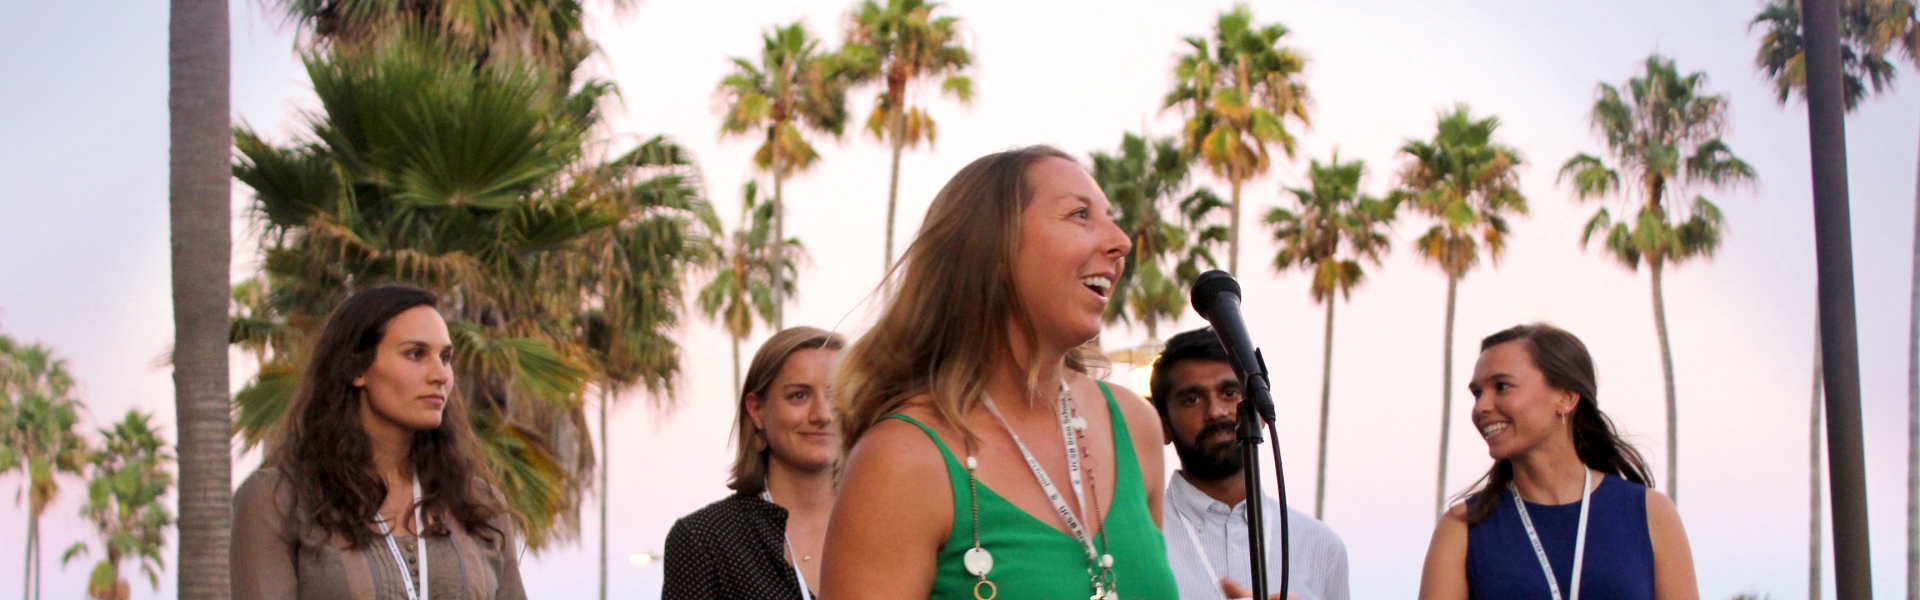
83,227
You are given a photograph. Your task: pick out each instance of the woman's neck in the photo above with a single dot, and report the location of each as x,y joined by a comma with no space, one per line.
1550,474
392,455
805,494
1007,379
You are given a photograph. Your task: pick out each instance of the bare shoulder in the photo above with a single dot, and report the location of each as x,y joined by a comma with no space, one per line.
1143,422
1660,507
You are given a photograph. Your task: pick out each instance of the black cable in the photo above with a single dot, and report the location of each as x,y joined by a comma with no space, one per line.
1280,478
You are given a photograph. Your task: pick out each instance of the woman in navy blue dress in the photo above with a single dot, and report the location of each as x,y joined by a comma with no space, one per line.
1566,511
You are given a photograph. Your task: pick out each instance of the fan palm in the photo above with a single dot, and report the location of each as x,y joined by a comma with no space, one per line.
901,43
748,279
1468,185
127,479
1145,181
1863,62
476,183
1333,228
795,88
1663,132
1239,89
40,442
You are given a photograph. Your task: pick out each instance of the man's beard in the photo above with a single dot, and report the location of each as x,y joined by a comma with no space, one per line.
1209,462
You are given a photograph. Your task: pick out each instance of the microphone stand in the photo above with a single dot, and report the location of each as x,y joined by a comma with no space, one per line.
1257,402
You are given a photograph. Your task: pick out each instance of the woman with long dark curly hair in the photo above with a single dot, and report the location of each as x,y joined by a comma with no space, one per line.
375,486
1567,510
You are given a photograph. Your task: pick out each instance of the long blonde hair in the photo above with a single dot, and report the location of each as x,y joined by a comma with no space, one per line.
949,301
749,473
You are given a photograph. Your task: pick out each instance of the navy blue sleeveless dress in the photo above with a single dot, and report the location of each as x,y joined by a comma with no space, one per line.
1501,563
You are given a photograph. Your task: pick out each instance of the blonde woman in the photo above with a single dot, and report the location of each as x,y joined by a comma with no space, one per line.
983,459
764,540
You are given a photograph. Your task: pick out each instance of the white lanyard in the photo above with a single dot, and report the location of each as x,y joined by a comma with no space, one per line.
1213,578
797,575
1580,540
1046,483
414,592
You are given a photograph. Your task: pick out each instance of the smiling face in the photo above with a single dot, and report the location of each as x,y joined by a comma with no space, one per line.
407,386
1070,253
1514,407
1203,403
796,415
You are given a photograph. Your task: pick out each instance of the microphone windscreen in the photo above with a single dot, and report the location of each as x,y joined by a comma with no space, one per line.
1210,285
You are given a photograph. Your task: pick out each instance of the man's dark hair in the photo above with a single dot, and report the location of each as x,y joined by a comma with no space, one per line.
1199,344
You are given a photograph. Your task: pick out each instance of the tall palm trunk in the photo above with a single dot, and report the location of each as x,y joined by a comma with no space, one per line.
736,364
26,578
1666,368
779,246
606,456
1233,230
1326,391
1446,400
33,552
1813,476
200,183
1913,415
893,197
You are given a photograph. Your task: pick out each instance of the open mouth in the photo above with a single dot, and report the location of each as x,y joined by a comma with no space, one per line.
1099,285
1489,430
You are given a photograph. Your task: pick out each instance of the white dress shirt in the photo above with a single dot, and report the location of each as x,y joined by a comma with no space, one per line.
1319,558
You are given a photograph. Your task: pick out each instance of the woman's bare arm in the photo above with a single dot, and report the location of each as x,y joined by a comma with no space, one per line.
1672,555
1444,577
893,512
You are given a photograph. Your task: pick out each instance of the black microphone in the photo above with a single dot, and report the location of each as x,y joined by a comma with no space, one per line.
1216,296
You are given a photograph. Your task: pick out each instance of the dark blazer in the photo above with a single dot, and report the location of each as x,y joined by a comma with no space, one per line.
734,548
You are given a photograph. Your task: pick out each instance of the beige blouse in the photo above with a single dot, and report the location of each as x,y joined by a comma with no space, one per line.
268,565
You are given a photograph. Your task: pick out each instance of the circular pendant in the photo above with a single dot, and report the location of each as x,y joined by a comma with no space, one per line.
978,561
988,594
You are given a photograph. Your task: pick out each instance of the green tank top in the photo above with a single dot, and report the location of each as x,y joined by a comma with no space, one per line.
1034,561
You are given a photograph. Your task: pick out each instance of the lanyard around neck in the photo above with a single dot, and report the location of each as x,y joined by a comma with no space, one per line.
1579,543
1213,578
414,591
1046,483
805,594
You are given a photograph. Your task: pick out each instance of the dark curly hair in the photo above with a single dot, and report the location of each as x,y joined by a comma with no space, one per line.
328,458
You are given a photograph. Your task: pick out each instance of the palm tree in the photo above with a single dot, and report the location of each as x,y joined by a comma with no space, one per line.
1238,90
1144,181
40,439
1334,229
632,273
795,88
476,182
748,278
200,219
1663,132
1468,185
127,480
1863,63
902,43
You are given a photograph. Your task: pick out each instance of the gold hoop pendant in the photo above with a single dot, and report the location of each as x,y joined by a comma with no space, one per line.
992,590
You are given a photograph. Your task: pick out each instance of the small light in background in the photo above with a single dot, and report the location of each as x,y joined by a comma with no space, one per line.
1141,379
641,559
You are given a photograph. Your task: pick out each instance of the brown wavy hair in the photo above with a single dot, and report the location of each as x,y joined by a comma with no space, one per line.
749,473
328,459
1568,367
952,295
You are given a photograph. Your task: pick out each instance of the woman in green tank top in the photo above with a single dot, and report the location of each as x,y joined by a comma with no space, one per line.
983,460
